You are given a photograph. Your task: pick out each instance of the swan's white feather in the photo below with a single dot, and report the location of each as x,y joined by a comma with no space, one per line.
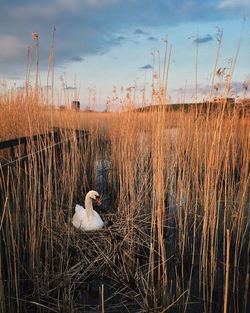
78,208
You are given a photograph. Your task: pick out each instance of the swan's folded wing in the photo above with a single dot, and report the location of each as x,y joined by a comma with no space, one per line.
78,208
79,217
97,222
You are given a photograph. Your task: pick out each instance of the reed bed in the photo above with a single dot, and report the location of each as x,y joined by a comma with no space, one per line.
175,186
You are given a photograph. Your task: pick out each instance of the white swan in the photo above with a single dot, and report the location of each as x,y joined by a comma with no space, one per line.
88,219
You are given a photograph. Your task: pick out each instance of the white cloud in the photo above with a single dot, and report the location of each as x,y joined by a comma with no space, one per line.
11,47
230,4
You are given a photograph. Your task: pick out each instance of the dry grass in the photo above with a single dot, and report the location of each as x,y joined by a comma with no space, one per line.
177,189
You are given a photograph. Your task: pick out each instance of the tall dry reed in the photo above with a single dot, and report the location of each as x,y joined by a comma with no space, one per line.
176,189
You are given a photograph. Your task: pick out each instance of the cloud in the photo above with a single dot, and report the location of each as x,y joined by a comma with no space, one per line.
115,41
95,3
204,39
11,47
35,11
87,27
120,39
139,31
203,90
77,59
231,4
238,86
146,67
152,38
55,8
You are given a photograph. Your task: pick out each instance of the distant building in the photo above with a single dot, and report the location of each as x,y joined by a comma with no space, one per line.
75,105
222,100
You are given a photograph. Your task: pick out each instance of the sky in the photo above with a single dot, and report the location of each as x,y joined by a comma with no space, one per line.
102,45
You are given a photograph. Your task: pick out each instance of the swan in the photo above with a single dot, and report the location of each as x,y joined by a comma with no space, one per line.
88,219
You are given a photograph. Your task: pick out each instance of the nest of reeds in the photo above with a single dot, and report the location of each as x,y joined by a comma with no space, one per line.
80,257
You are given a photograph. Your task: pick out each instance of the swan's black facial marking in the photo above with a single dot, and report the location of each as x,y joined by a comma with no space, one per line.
97,200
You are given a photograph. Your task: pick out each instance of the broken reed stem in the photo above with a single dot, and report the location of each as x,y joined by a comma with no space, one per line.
227,273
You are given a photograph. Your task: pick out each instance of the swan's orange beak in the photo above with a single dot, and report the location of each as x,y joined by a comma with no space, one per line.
98,200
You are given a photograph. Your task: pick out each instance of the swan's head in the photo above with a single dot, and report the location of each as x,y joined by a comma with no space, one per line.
94,195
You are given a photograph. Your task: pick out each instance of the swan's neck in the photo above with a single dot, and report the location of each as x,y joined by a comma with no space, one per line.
89,207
